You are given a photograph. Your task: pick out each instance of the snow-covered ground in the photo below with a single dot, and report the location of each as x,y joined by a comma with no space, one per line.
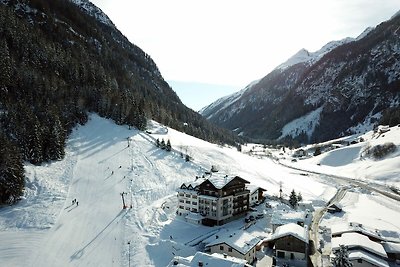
46,229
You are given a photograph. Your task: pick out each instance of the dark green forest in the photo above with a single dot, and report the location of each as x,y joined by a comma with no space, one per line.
57,64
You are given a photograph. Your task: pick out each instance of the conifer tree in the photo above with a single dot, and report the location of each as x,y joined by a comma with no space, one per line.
293,199
5,65
168,146
299,197
162,144
341,258
11,172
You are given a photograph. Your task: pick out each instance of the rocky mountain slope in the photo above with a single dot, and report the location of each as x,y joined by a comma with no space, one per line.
60,60
347,86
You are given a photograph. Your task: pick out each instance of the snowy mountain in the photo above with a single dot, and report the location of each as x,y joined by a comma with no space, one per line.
46,228
346,86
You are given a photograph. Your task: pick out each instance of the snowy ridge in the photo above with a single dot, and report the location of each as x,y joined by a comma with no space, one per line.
93,11
303,56
225,101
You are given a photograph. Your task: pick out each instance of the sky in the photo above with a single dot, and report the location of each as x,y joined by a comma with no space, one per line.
211,48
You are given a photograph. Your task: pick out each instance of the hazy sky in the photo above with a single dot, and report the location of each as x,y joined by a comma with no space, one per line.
231,43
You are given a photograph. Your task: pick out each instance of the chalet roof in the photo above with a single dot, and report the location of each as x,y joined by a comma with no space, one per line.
219,181
391,247
368,257
355,240
191,185
240,240
383,235
214,259
292,229
253,188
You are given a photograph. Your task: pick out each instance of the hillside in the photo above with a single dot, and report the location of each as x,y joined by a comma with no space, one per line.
345,87
61,59
46,229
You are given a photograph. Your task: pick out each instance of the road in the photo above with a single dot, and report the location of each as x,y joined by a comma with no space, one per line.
315,252
378,188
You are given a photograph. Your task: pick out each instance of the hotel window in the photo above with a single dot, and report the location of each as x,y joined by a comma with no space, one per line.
230,249
221,247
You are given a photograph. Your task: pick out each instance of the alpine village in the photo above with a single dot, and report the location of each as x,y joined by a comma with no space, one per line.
101,164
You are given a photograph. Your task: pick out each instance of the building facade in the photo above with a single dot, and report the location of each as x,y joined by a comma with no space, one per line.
223,199
219,199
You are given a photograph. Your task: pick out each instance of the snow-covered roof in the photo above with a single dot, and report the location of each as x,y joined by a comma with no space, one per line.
292,229
214,259
240,240
285,216
354,240
219,181
391,247
351,227
368,257
253,188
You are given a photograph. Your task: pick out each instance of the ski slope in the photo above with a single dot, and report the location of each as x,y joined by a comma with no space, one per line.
104,160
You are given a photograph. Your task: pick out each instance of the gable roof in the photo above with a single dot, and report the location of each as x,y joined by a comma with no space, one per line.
356,240
220,181
291,229
240,240
353,227
368,257
253,188
214,259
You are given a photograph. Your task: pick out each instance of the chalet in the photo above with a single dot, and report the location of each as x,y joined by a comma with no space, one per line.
223,199
202,259
238,244
300,153
291,242
256,194
333,208
362,250
217,199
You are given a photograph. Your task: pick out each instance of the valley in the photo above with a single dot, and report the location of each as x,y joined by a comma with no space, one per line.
104,160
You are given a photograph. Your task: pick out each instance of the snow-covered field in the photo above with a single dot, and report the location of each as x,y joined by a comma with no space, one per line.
46,229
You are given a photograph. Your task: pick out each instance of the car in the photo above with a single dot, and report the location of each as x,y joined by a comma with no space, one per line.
257,203
252,218
247,220
260,215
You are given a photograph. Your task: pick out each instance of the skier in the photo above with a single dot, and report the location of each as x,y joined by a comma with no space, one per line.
77,203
